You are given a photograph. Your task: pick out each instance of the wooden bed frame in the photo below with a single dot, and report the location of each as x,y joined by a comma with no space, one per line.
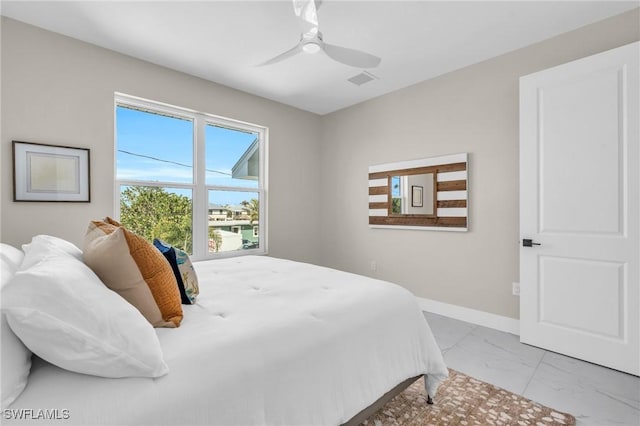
380,402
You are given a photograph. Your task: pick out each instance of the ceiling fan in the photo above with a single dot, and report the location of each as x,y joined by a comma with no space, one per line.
311,41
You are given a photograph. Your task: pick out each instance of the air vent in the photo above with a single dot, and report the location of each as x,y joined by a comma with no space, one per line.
362,78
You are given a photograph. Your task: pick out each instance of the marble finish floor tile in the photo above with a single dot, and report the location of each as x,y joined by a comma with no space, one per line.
595,395
495,357
447,331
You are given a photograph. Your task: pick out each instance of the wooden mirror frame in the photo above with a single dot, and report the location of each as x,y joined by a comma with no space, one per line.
450,194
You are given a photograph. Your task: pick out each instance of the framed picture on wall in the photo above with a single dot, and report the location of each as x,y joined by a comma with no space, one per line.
50,173
416,196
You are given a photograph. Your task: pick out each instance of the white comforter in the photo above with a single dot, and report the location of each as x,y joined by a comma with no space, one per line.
269,342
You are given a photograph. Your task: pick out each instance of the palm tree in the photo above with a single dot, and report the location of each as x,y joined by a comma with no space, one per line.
227,208
253,209
215,239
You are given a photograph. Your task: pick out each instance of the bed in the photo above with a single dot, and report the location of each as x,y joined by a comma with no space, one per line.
269,342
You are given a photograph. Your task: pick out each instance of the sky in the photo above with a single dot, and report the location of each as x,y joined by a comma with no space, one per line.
159,148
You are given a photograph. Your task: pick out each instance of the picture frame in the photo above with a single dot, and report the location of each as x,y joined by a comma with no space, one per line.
50,173
416,196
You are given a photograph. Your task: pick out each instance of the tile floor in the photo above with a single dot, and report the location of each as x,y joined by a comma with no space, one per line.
594,395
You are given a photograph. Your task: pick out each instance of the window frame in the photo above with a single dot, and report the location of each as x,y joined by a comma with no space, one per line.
199,188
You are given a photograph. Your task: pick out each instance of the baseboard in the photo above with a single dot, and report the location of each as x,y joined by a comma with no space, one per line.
486,319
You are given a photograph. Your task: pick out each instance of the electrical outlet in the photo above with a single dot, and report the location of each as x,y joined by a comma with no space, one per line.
515,288
374,266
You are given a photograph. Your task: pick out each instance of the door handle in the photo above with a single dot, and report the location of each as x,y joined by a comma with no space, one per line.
528,243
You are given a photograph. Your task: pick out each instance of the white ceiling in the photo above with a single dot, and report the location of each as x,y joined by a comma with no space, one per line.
222,41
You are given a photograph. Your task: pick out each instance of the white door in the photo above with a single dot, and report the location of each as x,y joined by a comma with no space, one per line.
579,199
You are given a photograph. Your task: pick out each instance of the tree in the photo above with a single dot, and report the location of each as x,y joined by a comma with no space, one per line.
396,205
152,212
253,208
215,239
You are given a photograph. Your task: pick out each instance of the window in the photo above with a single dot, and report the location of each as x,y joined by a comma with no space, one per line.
194,180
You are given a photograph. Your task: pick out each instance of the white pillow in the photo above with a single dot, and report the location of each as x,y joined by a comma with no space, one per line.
15,358
42,245
62,312
10,260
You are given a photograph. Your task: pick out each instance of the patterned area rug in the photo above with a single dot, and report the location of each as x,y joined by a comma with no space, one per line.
463,400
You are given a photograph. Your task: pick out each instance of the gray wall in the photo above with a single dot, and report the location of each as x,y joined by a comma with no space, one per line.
473,110
61,91
58,90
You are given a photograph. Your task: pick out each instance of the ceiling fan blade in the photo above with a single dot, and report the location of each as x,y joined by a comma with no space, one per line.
281,57
351,57
306,11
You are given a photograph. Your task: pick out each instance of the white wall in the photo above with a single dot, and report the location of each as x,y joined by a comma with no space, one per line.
61,91
473,110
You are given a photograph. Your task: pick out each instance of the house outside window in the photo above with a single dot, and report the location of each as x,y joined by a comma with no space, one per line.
194,180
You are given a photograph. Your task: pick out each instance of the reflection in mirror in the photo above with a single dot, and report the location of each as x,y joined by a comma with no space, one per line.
412,194
426,194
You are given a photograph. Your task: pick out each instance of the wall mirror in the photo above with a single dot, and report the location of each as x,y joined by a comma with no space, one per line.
429,193
413,194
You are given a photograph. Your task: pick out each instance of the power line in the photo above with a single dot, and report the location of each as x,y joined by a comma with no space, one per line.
169,161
